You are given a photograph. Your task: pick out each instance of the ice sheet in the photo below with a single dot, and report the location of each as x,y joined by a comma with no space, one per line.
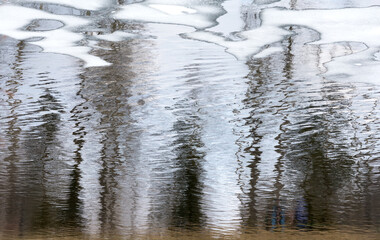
266,52
116,36
360,25
254,41
173,9
80,4
340,25
355,25
171,12
328,4
62,40
231,21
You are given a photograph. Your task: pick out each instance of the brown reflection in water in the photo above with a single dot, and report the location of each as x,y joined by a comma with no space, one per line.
47,186
277,217
34,191
317,166
11,202
107,91
111,103
323,175
250,213
42,190
187,211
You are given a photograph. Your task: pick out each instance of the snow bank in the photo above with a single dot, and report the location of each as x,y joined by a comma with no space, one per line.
62,40
189,13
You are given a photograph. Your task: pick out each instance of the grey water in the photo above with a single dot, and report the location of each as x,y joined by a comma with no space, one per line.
178,134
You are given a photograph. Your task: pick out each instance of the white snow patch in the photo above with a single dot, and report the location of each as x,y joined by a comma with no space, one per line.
197,16
268,51
116,36
62,40
360,25
80,4
254,40
173,9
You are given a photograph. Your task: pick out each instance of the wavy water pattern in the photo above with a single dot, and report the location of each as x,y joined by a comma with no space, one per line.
189,119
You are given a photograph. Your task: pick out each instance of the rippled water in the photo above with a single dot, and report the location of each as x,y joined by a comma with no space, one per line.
120,118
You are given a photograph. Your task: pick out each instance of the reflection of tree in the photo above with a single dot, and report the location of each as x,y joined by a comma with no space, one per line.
323,175
36,188
261,79
112,84
278,216
309,143
253,102
107,93
43,190
50,208
177,195
187,178
12,202
108,175
74,204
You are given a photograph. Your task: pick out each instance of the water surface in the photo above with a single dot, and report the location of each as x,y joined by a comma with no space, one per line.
205,118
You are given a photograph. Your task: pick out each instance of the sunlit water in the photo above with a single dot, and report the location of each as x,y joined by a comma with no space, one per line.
120,118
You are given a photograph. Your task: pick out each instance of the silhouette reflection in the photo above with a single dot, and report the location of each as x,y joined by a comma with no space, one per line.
178,136
309,121
187,178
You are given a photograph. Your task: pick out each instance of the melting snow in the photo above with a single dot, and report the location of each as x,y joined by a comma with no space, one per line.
62,40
